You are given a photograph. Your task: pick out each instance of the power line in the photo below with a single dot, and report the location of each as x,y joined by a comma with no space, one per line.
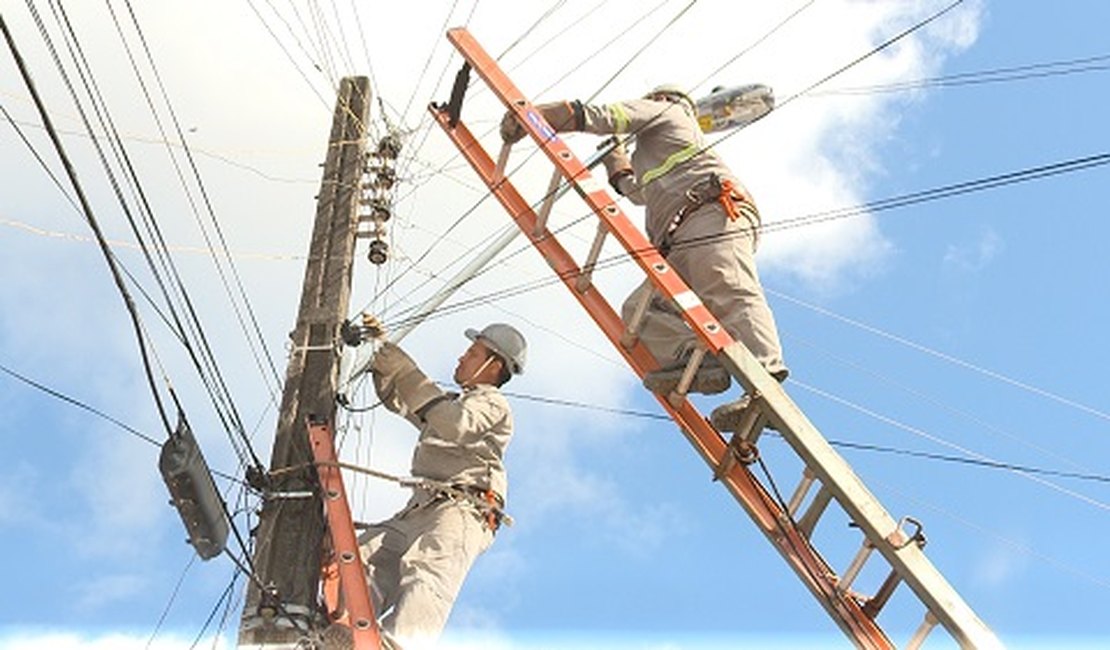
79,404
945,443
173,598
258,339
487,194
947,357
205,363
947,191
879,48
90,218
1099,63
964,460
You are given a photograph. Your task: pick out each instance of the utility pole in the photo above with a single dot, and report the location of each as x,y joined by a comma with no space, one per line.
281,603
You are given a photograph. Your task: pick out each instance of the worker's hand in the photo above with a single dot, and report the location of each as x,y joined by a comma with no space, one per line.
372,328
511,130
389,359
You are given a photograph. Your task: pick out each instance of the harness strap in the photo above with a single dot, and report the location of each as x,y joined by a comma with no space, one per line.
733,199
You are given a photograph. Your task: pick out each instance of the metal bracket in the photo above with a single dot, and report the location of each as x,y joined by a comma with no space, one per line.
454,105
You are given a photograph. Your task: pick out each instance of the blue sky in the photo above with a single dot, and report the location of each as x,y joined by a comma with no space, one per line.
966,327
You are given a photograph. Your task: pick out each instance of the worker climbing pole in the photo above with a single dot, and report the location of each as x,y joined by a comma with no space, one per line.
785,523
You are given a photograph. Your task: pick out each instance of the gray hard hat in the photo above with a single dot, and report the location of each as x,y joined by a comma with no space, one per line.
674,90
506,342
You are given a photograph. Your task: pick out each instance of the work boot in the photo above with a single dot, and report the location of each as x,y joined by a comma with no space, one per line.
710,378
726,417
337,637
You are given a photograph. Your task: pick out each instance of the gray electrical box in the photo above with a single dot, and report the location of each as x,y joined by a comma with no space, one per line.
194,492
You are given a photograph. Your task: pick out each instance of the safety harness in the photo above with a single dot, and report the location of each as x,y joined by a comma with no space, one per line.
489,503
733,199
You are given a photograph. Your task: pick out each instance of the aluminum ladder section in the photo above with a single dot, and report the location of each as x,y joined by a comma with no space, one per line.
786,525
343,583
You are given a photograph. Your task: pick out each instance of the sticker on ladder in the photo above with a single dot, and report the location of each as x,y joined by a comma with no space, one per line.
588,184
541,126
687,300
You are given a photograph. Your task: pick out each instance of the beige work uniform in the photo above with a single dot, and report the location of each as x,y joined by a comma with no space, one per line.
714,254
417,560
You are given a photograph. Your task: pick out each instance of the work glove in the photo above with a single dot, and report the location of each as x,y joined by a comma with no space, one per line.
617,165
372,327
389,360
511,130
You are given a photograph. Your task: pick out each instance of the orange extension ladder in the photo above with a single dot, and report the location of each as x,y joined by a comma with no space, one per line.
785,523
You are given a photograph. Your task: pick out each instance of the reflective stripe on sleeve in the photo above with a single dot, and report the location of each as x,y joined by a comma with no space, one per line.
668,164
620,118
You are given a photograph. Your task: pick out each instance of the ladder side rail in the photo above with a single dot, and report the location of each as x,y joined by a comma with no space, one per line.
697,315
352,576
931,588
927,582
765,512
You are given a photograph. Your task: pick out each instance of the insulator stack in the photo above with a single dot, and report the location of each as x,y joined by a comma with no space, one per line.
377,195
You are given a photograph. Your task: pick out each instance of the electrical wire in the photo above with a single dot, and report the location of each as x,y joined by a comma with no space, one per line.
288,54
543,17
92,221
853,63
260,352
216,608
964,460
948,191
997,376
946,443
205,362
79,404
842,444
487,194
173,598
756,43
1098,63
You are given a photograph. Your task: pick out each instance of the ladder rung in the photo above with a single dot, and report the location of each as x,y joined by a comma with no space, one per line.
502,162
876,603
586,278
923,630
678,395
548,202
809,520
854,568
808,477
631,332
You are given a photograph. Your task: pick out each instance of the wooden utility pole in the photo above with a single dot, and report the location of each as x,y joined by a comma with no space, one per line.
281,603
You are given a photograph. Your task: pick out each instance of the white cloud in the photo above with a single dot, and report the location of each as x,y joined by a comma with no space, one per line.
106,591
1003,564
975,256
251,106
67,640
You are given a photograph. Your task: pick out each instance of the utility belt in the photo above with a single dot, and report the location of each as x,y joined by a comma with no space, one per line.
714,189
489,503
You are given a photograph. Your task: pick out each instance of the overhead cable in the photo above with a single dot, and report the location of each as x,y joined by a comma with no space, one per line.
1036,390
93,224
256,343
79,404
1102,505
948,191
1099,63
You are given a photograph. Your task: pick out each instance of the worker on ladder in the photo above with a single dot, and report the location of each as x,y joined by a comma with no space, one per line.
700,218
417,560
